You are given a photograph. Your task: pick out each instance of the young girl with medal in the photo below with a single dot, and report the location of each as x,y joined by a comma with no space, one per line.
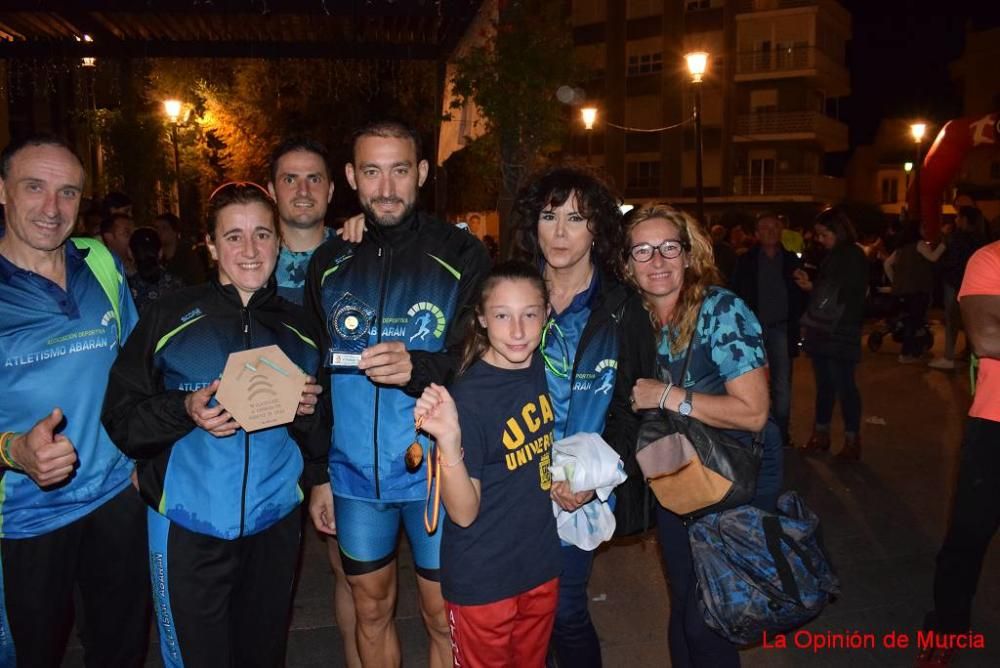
500,558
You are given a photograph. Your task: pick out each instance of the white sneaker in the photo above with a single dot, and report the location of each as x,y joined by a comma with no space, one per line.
942,363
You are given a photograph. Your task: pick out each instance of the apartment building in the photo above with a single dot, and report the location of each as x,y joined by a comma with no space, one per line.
769,100
877,173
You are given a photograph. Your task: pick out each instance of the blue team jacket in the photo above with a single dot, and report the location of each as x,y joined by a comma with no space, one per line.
419,277
224,487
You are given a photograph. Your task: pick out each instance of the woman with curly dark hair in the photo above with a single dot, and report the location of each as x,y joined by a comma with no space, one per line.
567,222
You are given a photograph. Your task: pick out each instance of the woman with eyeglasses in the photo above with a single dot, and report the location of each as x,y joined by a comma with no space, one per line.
567,223
223,527
668,259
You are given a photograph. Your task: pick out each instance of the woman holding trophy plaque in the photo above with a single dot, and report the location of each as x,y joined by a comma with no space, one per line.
222,481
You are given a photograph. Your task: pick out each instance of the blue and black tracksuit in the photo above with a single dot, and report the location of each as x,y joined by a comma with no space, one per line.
222,535
586,334
57,343
421,278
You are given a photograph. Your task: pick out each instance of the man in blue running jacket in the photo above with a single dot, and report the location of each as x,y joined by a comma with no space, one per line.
408,270
68,516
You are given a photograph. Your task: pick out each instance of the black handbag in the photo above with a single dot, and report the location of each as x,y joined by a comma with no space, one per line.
694,469
824,309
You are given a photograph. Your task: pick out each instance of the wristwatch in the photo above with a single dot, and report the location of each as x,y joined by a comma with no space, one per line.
684,408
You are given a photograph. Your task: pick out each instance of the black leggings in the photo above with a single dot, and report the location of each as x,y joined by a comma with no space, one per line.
974,520
692,643
835,379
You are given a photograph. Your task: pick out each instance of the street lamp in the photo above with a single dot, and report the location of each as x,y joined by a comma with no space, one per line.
589,116
917,130
697,64
173,110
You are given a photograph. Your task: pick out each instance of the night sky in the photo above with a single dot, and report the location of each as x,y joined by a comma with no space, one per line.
899,57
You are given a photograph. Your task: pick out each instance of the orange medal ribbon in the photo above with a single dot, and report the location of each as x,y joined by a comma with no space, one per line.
432,501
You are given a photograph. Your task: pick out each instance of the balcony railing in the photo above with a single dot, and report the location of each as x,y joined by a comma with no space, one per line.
785,60
831,132
826,188
827,6
746,6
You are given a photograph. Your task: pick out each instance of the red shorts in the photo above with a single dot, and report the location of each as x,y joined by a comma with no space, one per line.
512,632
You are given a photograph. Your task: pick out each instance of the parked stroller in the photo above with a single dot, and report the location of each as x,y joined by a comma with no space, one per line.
890,309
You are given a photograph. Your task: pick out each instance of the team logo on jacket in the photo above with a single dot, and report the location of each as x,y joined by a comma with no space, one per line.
601,379
425,320
605,371
108,320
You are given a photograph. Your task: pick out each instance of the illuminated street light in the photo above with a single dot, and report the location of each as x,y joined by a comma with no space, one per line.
697,63
172,108
907,167
918,130
589,116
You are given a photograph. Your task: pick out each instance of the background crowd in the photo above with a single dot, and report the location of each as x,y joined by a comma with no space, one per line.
604,316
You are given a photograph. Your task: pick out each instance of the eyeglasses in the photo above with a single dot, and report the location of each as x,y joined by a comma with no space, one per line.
559,368
239,185
669,249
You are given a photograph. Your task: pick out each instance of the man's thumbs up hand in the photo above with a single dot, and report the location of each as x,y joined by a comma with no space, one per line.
47,457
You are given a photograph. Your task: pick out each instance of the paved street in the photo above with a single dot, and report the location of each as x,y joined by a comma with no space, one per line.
883,521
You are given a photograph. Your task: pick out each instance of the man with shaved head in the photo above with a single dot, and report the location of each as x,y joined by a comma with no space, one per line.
69,519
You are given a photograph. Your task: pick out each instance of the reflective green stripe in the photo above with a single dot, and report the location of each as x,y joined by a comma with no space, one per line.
102,265
162,508
327,273
301,336
454,272
166,337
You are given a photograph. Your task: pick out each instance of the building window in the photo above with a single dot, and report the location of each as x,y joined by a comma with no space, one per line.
890,191
635,9
644,174
699,5
645,63
586,12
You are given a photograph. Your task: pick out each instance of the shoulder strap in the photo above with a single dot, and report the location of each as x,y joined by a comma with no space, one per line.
102,265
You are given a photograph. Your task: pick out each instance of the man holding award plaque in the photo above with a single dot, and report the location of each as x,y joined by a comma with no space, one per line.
392,309
302,189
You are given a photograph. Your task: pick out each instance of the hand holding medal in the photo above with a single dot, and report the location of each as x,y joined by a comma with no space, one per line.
435,414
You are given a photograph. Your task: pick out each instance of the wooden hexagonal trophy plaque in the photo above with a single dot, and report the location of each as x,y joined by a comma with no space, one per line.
261,388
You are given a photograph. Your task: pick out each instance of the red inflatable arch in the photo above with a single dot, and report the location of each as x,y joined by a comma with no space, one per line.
942,163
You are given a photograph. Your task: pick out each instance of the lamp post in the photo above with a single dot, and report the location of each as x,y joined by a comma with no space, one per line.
89,65
173,110
589,116
697,63
917,130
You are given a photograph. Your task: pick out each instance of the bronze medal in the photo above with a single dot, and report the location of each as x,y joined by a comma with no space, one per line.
414,456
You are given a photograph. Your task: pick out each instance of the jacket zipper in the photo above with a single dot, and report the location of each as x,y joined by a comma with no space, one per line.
383,289
245,317
588,333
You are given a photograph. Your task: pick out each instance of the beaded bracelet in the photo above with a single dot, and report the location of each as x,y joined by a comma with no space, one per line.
461,456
